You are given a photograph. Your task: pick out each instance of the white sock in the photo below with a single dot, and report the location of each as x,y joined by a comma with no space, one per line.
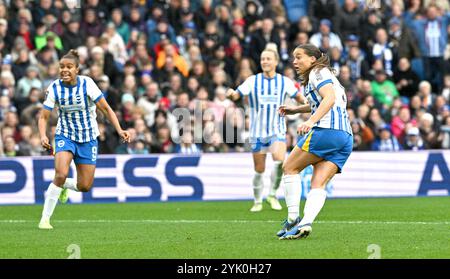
258,187
292,193
275,178
51,200
71,184
314,203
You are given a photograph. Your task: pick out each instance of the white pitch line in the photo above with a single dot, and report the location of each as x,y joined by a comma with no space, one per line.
154,221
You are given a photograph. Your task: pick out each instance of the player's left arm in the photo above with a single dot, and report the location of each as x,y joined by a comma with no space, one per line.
104,107
301,99
328,95
294,93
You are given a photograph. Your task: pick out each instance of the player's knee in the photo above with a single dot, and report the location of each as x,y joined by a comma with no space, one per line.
288,169
83,188
60,176
260,169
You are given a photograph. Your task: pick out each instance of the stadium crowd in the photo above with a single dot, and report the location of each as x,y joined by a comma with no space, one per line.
151,58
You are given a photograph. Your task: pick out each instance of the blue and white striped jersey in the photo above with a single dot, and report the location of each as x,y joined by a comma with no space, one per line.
432,36
77,111
265,96
337,117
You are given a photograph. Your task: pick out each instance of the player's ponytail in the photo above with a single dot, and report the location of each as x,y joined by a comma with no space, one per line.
322,61
73,54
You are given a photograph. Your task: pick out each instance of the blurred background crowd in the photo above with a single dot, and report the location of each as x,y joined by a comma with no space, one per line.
150,58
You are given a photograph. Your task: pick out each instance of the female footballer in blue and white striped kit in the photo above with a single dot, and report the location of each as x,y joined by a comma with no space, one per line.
77,98
266,92
326,144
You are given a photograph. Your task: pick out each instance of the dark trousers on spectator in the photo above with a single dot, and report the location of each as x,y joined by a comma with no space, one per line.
434,68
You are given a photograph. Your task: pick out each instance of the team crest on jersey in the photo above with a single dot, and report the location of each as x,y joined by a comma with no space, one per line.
61,143
78,97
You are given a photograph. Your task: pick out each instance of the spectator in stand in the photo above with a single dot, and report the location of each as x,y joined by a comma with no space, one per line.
12,121
20,65
25,145
413,139
372,23
322,9
386,141
303,25
110,93
375,120
359,68
187,145
105,61
10,147
259,39
5,106
179,62
325,32
383,89
382,50
426,95
400,122
116,45
402,40
406,80
432,35
33,99
349,19
91,24
446,90
204,14
149,102
30,80
141,56
36,148
428,131
164,143
440,108
41,36
445,133
415,106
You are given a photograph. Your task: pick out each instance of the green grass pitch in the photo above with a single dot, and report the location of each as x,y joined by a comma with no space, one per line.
401,227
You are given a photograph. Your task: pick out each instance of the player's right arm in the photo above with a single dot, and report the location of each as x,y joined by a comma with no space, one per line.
303,107
287,110
42,124
233,95
49,104
243,90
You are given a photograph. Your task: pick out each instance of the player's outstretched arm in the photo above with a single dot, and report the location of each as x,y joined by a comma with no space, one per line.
233,95
287,110
103,106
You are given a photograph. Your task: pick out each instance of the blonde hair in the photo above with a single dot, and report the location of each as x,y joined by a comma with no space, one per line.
8,75
272,47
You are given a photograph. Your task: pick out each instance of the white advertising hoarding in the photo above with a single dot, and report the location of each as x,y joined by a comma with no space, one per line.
226,176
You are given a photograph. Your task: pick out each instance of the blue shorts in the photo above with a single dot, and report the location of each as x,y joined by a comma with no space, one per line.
83,153
262,144
331,145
